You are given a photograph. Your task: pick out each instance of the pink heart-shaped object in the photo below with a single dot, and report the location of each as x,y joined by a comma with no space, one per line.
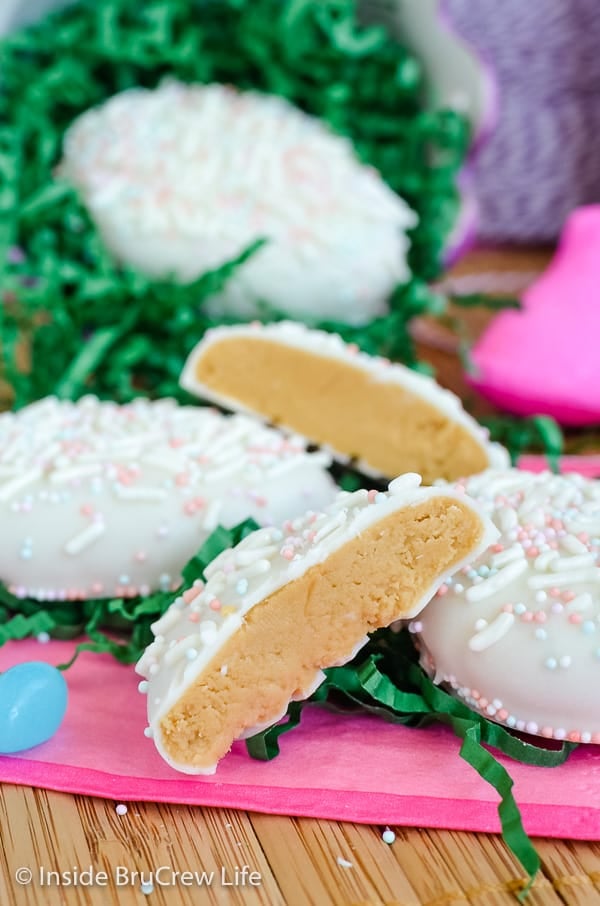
545,359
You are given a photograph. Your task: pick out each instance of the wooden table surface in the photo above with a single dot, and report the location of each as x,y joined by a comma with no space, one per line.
293,861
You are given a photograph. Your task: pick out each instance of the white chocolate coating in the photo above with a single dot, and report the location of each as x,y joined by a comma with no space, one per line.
197,625
98,499
332,346
181,179
516,634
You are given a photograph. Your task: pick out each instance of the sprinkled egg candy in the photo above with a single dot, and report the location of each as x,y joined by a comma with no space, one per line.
285,603
183,178
98,499
387,417
33,701
516,633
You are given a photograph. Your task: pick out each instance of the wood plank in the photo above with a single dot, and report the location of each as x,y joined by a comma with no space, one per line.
56,832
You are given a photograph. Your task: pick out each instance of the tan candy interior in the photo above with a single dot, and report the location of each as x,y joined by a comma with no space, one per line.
315,622
333,403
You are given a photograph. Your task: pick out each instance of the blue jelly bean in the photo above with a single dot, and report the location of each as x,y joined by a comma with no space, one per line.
33,701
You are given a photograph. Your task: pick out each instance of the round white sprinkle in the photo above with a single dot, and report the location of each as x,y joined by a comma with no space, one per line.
388,836
147,887
143,687
43,638
121,809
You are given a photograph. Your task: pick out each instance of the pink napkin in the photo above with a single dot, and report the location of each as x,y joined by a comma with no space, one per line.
332,766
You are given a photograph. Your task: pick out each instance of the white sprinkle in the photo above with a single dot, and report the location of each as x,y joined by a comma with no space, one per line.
180,649
573,545
141,494
407,482
495,583
544,560
567,563
62,476
146,888
492,633
561,580
10,488
121,810
224,670
580,604
343,863
171,464
508,556
143,687
167,621
43,638
90,534
508,518
211,516
388,836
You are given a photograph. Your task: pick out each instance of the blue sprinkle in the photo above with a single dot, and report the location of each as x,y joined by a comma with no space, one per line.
589,627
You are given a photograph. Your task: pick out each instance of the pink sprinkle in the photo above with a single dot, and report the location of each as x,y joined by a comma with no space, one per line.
575,618
199,502
548,732
596,738
352,348
557,525
527,617
189,594
483,703
182,479
258,500
97,588
553,545
540,616
311,537
141,556
189,508
176,442
497,548
574,736
568,596
87,509
287,553
507,608
475,694
193,618
502,714
583,537
215,604
443,590
554,592
372,495
532,552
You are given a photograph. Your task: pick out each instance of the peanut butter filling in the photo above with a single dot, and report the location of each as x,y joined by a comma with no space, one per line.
333,403
314,622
